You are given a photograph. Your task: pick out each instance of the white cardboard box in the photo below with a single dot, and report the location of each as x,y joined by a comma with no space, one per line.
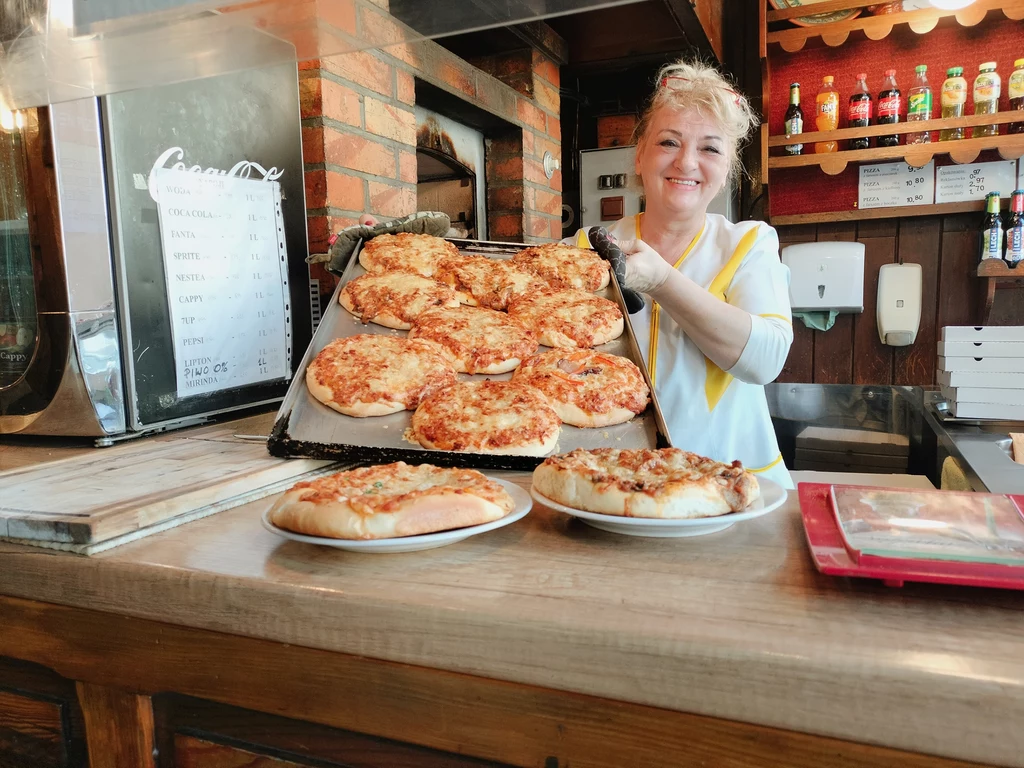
964,395
980,379
986,411
981,349
983,333
982,364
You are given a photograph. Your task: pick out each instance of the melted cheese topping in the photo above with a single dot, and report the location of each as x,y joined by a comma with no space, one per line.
564,266
369,368
575,315
399,295
386,488
594,382
475,337
405,252
485,415
658,473
485,282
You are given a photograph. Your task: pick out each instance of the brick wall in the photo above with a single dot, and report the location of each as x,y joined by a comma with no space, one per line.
359,134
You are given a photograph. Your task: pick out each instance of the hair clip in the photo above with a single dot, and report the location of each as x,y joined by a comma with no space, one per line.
666,82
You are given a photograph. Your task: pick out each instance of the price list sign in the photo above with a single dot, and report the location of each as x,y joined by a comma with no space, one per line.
227,280
959,183
889,185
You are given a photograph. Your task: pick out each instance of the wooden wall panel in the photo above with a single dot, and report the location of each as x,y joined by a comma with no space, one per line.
851,352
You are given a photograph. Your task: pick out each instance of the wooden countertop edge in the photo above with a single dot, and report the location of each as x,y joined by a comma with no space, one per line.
838,700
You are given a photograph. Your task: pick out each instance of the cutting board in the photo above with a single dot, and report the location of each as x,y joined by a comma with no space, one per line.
106,496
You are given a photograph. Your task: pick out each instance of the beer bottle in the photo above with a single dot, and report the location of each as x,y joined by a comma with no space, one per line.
794,119
889,108
859,113
1015,229
992,229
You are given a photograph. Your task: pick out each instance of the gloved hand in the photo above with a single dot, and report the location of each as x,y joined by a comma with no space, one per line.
646,271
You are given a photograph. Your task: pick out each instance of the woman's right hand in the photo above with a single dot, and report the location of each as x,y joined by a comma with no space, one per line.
646,270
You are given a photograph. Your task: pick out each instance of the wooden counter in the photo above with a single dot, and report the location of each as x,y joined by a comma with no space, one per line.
737,627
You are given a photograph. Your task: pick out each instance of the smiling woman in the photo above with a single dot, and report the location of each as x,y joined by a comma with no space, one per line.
719,324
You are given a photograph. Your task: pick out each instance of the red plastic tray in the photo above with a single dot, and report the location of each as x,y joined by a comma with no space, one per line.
832,557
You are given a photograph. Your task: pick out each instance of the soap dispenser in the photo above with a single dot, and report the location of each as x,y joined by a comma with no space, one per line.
899,303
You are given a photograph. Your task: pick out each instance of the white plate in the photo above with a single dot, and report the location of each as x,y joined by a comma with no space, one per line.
772,497
415,543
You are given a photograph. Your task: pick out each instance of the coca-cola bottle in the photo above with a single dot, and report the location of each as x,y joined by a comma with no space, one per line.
889,108
859,113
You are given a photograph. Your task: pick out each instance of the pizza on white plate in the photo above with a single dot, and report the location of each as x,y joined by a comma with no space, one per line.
501,417
389,501
483,282
405,252
565,266
568,318
394,299
587,388
667,483
375,374
478,340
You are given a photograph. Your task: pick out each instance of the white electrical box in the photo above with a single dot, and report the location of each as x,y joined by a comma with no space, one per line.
899,303
825,276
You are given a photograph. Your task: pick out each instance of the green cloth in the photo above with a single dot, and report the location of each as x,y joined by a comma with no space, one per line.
818,321
344,243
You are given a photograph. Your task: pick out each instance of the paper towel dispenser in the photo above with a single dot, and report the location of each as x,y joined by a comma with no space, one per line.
825,276
898,310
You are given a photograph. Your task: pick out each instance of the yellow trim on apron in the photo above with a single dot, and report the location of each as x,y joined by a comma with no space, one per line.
778,317
716,381
766,467
582,241
652,344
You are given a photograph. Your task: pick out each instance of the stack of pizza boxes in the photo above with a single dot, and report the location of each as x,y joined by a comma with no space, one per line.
981,371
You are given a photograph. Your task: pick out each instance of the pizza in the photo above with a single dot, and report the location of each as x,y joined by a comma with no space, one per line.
394,299
390,500
587,388
375,374
486,416
483,282
568,318
564,266
666,483
405,252
478,340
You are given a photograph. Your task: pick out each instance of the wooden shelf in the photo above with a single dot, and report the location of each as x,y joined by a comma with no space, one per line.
902,211
871,131
879,27
1010,147
997,269
992,273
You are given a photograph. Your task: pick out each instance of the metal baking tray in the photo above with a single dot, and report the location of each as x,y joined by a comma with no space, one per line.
305,427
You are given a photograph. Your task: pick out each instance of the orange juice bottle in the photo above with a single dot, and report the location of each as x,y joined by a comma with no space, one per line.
826,114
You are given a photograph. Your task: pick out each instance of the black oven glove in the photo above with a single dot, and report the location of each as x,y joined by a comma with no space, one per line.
345,242
610,252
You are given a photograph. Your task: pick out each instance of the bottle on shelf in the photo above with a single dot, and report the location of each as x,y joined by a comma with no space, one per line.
794,119
889,108
992,229
1015,229
987,87
919,105
1015,86
954,102
826,113
860,109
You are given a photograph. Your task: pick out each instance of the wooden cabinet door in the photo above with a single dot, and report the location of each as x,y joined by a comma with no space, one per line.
193,733
40,721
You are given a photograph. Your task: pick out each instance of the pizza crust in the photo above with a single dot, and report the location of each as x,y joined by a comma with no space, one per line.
568,318
389,501
495,417
668,483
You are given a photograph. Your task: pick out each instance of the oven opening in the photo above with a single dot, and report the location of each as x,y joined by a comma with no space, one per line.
446,185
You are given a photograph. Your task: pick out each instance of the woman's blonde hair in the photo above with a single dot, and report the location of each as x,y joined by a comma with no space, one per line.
698,86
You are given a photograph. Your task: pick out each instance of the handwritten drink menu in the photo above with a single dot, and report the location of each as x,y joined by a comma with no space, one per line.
227,279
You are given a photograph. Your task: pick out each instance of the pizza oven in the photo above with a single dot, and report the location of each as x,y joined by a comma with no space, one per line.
450,172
